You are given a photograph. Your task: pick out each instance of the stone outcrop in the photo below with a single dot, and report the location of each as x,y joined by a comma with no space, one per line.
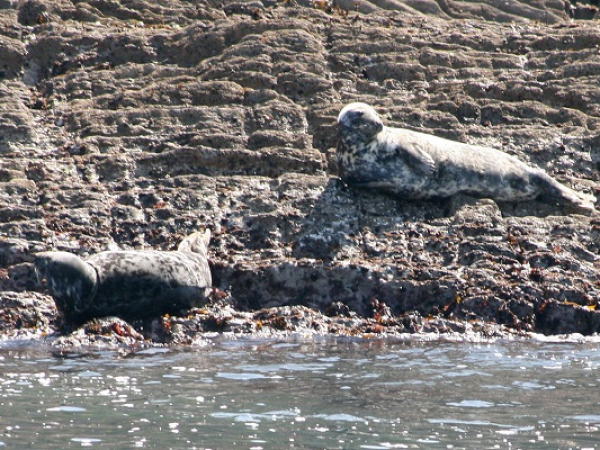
129,125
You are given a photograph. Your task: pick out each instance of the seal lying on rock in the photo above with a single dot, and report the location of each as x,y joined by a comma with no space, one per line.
128,284
419,166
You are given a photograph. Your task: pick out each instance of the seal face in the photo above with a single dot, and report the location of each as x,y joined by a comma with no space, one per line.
414,165
128,284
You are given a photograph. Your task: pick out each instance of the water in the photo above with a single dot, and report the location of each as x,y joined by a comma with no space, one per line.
301,394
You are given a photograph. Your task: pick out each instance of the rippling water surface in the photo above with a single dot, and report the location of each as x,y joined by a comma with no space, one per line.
329,394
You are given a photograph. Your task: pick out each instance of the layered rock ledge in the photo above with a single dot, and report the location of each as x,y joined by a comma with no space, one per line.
129,125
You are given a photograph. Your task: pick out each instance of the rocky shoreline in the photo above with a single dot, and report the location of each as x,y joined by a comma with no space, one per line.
129,126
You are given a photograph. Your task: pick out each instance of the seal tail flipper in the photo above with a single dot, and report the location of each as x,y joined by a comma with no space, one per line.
196,242
71,281
552,189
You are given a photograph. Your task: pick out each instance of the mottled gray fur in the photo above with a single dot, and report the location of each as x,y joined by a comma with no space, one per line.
414,165
128,284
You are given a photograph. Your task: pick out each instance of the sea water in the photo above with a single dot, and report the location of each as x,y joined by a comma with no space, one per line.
304,393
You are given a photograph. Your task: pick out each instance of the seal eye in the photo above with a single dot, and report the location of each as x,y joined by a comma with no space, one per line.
356,118
370,127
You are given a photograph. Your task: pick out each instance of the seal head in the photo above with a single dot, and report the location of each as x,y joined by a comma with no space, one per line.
359,122
72,282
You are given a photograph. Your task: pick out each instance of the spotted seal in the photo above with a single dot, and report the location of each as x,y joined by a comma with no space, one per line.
128,284
414,165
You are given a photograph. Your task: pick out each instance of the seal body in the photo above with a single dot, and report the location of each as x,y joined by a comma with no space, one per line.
128,284
415,165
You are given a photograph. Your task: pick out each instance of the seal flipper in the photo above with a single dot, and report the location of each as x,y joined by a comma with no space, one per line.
72,282
417,158
174,301
553,190
196,243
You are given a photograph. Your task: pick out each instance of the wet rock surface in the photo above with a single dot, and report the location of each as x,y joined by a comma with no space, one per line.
130,126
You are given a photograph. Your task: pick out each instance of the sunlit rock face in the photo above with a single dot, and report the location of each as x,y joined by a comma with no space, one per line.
128,128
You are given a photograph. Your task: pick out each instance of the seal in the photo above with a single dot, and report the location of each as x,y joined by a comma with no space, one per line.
415,165
128,284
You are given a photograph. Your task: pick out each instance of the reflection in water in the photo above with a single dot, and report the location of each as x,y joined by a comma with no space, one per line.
334,394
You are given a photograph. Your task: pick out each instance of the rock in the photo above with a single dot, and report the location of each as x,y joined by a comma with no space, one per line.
130,126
